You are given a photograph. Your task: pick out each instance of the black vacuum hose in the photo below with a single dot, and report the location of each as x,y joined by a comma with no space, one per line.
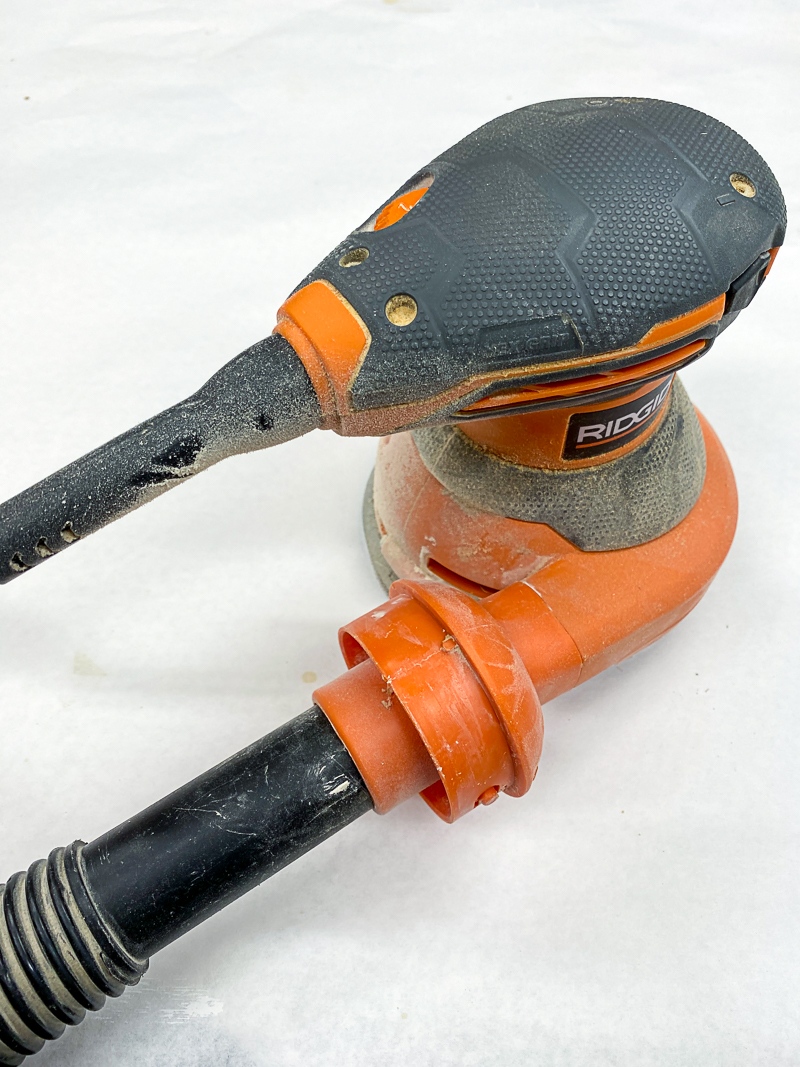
80,926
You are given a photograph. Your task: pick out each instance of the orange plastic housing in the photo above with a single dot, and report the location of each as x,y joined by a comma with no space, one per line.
332,340
536,438
443,695
399,207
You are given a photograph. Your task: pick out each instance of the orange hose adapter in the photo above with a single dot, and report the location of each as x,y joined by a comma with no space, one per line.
443,692
454,672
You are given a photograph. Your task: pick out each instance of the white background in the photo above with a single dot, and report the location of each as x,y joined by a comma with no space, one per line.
170,172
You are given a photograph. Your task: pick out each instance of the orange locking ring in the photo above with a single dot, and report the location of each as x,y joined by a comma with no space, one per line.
446,665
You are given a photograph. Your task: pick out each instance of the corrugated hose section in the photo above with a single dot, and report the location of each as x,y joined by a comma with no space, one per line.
58,959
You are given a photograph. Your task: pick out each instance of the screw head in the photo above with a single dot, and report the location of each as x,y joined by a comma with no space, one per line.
401,309
354,257
742,184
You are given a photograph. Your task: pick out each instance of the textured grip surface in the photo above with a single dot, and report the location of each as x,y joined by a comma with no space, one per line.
556,232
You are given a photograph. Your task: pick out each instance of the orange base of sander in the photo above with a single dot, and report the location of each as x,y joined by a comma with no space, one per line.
490,615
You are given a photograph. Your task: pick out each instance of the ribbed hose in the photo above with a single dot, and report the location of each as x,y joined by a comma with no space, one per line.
58,959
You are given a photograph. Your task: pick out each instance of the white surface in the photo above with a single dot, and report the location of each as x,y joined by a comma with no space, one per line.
170,173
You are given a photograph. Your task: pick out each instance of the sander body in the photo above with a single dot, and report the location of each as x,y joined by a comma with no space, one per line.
546,502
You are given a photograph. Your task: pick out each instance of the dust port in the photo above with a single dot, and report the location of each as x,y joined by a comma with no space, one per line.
401,309
742,184
354,257
466,585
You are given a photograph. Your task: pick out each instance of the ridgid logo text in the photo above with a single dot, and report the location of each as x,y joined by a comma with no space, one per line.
592,432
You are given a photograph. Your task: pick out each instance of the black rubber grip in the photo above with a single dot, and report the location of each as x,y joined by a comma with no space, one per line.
262,397
560,231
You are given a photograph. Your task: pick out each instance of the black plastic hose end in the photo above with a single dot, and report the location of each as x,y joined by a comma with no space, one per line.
80,926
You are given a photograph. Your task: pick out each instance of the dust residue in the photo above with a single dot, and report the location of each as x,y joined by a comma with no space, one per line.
86,667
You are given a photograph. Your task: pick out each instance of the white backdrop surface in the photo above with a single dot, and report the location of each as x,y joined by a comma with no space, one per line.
170,171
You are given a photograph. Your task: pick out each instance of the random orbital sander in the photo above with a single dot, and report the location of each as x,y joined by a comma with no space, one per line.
546,501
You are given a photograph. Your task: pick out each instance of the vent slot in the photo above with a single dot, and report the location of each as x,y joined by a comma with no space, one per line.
466,585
